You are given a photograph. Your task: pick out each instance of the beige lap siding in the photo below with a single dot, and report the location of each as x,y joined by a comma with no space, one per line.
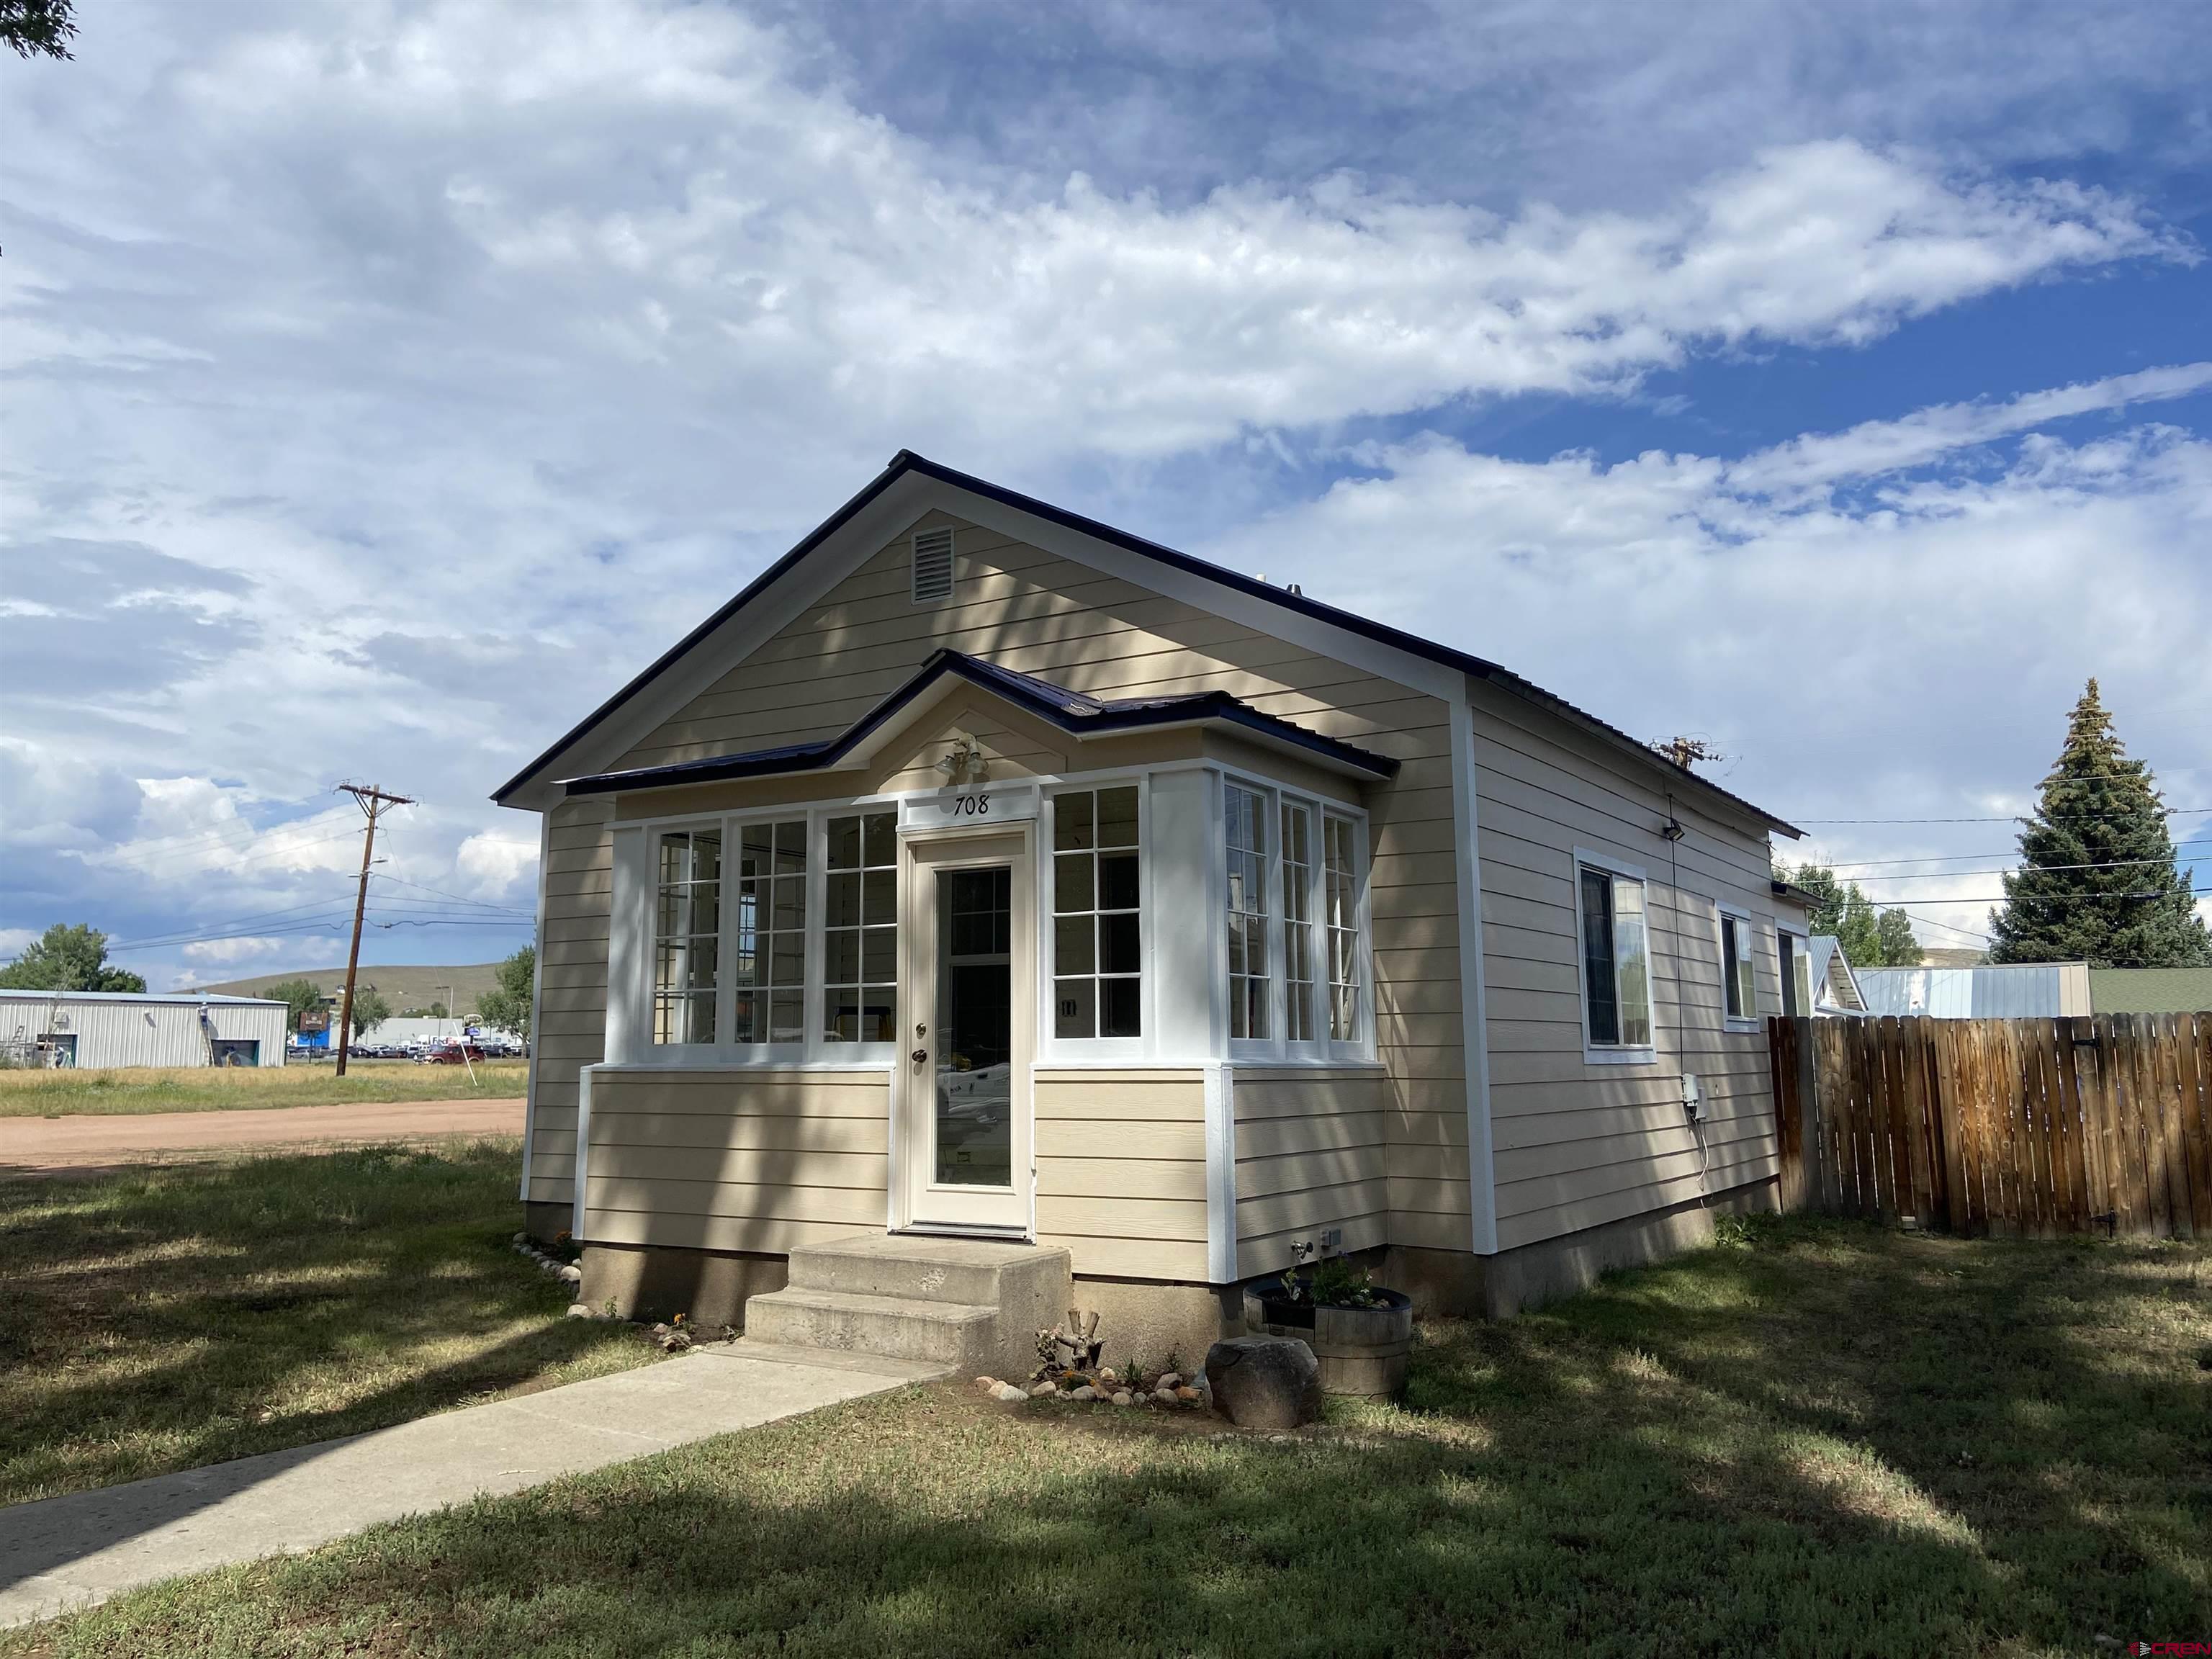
1035,611
572,1009
1311,1156
1574,1144
1121,1163
720,1159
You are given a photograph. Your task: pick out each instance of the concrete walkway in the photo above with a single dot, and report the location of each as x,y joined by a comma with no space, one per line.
73,1551
107,1140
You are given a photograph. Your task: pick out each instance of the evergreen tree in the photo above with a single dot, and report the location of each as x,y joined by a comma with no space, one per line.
2097,880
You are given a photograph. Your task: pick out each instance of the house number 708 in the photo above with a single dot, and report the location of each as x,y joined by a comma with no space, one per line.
972,806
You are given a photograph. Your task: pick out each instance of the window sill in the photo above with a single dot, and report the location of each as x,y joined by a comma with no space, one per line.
1738,1023
1595,1056
700,1062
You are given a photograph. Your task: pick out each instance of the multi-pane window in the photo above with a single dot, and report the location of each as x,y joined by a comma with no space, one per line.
1245,824
1739,986
769,964
1796,975
686,919
1297,923
859,930
1616,961
1340,899
1097,964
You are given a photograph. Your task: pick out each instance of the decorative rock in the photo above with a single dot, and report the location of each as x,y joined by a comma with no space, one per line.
1264,1382
1170,1380
1010,1394
572,1275
987,1383
1186,1393
1109,1375
1125,1398
1086,1392
1165,1396
579,1310
1039,1390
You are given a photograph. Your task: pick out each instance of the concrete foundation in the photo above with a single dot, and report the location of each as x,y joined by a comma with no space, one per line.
709,1288
1150,1322
1452,1284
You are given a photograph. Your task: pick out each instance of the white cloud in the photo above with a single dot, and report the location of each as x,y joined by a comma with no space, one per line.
240,950
13,941
492,865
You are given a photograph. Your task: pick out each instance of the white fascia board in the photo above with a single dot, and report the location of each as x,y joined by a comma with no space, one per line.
1474,1017
537,1003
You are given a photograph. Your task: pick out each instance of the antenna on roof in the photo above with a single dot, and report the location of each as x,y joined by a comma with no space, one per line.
1685,752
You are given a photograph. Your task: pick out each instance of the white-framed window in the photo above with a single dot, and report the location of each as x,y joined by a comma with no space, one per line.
859,928
1244,830
687,922
1794,969
1297,842
1097,915
1341,915
1739,977
1612,915
768,948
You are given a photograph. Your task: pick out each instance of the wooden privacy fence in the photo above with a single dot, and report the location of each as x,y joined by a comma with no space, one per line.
2036,1126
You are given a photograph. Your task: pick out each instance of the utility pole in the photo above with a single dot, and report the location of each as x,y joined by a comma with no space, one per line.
372,801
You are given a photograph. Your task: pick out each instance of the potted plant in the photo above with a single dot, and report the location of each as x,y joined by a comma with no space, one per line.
1360,1333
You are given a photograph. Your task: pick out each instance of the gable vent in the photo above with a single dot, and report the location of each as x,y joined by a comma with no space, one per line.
932,565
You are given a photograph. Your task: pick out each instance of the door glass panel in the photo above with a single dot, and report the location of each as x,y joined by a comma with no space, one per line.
975,1027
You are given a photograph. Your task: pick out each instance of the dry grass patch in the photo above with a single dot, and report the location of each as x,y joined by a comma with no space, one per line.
71,1092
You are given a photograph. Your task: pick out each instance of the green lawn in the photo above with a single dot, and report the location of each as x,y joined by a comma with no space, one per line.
1819,1439
183,1314
69,1092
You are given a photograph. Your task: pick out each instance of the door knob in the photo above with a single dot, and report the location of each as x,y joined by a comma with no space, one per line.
920,1056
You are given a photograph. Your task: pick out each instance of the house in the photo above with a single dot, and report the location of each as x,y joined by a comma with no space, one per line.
984,870
2150,990
2042,990
100,1029
1834,986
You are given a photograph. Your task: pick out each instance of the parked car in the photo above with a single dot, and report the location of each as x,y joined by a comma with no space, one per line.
454,1053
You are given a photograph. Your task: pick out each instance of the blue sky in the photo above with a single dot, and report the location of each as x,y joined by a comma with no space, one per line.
385,384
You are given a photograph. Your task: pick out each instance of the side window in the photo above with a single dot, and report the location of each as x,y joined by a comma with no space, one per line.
686,919
1739,986
1341,897
1616,960
1244,815
1297,923
1796,973
1097,961
769,969
859,929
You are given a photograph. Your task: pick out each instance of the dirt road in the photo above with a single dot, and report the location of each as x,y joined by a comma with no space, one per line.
54,1144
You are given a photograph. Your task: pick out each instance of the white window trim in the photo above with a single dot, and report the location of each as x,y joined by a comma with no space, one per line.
1276,1049
1742,918
1055,1050
1615,1053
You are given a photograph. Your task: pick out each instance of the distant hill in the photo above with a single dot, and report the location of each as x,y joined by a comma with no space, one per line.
404,987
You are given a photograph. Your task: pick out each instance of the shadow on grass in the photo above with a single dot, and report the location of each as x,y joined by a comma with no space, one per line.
1749,1452
167,1318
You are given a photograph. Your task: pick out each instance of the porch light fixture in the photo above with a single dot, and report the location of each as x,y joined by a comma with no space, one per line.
965,765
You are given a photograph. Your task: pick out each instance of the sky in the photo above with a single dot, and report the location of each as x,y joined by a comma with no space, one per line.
382,385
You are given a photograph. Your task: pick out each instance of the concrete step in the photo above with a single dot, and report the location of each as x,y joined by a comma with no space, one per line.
979,1273
962,1335
827,1359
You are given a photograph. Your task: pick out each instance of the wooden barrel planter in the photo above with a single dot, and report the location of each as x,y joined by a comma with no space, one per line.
1362,1351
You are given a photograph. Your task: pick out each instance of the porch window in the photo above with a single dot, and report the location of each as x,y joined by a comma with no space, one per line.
1097,944
769,969
1297,923
1341,900
1616,961
860,958
686,928
1245,824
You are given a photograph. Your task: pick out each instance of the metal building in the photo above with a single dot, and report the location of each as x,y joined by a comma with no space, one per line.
2044,990
136,1028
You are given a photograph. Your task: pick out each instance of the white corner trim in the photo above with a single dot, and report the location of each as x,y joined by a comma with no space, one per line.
1474,1029
1221,1174
536,1002
583,1153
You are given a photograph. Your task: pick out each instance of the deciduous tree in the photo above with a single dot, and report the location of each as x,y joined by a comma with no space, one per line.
507,1007
68,959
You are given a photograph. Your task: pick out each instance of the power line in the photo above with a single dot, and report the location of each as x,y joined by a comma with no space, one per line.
384,875
1949,875
2020,818
1996,852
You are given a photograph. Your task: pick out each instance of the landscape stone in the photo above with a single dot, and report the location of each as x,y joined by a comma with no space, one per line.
1086,1392
1170,1380
1039,1390
1125,1398
1010,1394
1264,1382
579,1310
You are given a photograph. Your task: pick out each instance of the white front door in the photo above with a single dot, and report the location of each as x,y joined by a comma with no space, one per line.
969,1012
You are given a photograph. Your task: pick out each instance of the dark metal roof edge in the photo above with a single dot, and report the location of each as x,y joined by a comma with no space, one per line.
1024,690
905,461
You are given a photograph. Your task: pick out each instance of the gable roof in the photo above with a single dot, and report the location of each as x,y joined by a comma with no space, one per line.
1074,712
906,463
